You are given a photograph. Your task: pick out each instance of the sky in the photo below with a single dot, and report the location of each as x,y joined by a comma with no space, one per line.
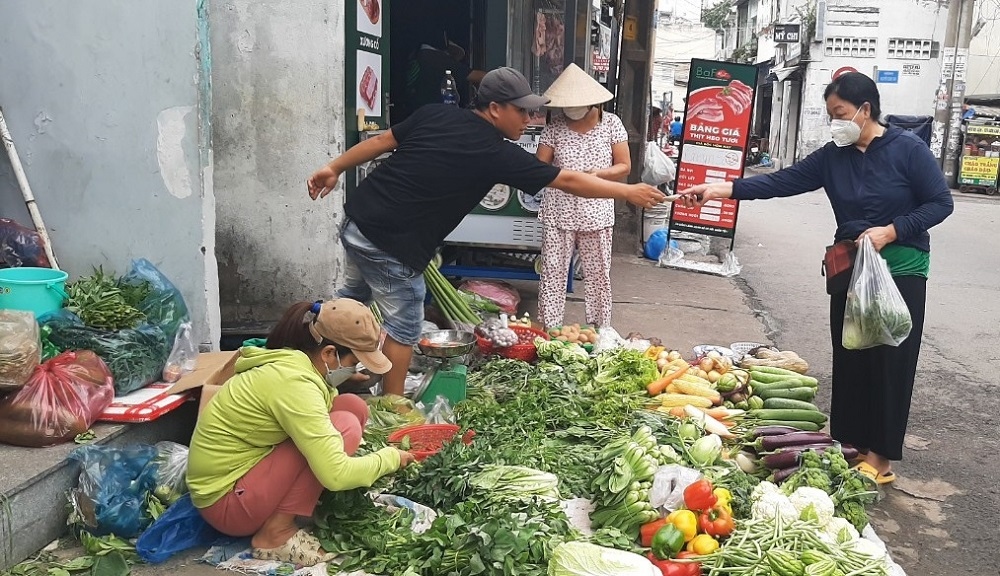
687,9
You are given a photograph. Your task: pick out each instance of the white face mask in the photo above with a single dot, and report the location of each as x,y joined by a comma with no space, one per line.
846,132
335,378
576,112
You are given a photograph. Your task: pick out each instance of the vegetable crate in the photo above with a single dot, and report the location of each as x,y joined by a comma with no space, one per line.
525,348
425,440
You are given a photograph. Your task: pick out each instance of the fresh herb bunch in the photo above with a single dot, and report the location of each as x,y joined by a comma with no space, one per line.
350,523
102,301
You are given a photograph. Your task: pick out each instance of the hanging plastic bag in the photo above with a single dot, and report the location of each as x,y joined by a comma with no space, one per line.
114,486
183,358
20,348
136,357
178,529
657,168
20,246
876,313
164,306
171,470
62,398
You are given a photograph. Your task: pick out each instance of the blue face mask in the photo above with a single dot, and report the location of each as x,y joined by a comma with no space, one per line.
335,378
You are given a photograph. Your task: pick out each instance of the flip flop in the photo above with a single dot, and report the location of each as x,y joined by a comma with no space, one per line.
868,470
302,549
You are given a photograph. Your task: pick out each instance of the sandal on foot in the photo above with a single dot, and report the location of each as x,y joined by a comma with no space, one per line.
302,549
868,470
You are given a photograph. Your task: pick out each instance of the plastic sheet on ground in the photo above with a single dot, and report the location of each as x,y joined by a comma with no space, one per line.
675,258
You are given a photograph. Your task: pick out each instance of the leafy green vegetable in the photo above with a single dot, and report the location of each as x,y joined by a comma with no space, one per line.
100,301
583,559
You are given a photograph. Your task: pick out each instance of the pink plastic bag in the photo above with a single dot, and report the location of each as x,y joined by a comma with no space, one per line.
502,294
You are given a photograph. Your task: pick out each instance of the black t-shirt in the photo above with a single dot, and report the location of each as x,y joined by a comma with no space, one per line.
448,159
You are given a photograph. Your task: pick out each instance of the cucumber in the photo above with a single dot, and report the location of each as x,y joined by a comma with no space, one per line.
789,414
757,372
789,403
771,378
789,383
798,425
804,393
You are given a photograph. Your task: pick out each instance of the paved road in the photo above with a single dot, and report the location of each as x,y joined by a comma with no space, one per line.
942,515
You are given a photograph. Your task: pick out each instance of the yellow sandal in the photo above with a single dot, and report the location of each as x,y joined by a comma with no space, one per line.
870,471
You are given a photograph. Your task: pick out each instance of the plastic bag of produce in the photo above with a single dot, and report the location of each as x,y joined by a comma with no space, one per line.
180,528
500,293
135,357
164,306
20,246
114,486
171,470
657,168
876,313
20,348
61,399
183,357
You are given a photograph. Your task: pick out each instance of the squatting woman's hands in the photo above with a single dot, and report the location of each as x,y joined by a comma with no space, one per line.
405,458
879,235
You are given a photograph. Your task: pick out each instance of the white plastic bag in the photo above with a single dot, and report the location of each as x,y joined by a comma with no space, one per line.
440,411
657,168
183,357
876,313
669,484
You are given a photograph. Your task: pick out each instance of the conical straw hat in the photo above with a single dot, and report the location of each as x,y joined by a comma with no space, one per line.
574,87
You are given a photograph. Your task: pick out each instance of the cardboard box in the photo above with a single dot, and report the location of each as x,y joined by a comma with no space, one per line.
210,373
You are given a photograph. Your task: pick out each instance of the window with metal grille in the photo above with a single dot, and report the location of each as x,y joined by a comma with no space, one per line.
851,46
910,48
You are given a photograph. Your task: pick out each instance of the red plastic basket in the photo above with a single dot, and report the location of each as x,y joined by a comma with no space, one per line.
523,350
427,439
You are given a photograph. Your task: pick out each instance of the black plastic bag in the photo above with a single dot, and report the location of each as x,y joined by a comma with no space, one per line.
20,246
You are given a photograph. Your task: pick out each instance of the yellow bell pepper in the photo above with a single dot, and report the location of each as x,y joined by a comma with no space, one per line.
703,544
725,499
686,521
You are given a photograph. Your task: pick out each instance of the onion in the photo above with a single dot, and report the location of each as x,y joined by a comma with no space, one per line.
706,364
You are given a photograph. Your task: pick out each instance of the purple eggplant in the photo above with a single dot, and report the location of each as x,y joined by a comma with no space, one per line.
768,443
789,455
781,475
772,430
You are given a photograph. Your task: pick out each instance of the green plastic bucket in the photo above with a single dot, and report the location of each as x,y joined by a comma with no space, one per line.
38,290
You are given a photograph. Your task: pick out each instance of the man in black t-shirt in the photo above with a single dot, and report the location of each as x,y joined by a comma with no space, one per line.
445,160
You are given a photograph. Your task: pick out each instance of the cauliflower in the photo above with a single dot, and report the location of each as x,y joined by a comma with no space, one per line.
868,548
813,504
841,530
763,488
774,505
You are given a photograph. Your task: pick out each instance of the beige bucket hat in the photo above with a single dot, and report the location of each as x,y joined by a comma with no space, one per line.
574,87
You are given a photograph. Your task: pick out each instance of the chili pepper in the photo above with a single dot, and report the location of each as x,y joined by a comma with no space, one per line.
686,521
716,522
725,499
667,542
699,496
648,530
703,544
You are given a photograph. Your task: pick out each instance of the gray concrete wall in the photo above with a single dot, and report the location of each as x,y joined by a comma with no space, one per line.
105,100
278,114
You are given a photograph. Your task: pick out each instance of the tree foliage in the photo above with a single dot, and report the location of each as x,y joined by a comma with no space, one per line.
717,16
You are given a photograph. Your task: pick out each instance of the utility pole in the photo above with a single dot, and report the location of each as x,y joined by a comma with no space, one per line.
951,89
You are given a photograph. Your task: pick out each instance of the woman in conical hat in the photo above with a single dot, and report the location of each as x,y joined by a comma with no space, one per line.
579,136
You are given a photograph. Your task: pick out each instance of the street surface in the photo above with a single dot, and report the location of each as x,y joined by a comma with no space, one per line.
949,473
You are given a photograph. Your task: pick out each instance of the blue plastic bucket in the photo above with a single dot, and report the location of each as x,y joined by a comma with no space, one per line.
38,290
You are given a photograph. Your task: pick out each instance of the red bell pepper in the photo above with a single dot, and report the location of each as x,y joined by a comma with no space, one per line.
716,522
699,496
672,568
649,529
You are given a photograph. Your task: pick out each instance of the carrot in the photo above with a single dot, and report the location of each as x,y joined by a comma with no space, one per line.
657,386
718,413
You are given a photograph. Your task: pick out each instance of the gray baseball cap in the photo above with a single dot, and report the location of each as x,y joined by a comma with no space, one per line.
507,85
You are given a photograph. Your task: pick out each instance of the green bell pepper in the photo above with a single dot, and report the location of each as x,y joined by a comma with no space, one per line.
667,542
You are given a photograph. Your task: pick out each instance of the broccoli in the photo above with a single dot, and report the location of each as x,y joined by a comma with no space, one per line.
854,512
805,476
838,464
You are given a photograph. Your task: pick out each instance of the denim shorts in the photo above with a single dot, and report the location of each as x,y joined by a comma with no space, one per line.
374,275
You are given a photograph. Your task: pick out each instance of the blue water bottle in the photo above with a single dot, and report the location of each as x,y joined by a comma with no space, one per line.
449,89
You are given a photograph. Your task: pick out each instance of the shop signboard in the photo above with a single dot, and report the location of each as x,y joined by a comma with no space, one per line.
717,118
366,70
981,156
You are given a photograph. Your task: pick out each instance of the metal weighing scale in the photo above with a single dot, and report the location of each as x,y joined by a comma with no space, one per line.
448,378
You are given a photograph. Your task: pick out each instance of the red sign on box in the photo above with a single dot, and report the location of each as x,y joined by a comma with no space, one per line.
716,132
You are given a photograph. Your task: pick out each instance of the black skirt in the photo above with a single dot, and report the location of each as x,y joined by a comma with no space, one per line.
872,387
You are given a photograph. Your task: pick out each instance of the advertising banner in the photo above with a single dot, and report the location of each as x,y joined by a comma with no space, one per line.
717,119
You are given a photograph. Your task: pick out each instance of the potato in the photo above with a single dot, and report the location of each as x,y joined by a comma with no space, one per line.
673,355
706,364
703,374
714,376
663,356
562,338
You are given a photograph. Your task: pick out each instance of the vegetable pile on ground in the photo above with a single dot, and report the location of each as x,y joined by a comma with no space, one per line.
671,477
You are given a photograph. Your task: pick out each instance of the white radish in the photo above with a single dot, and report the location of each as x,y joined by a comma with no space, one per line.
707,422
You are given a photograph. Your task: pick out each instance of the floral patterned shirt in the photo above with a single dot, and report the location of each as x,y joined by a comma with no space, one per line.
583,153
